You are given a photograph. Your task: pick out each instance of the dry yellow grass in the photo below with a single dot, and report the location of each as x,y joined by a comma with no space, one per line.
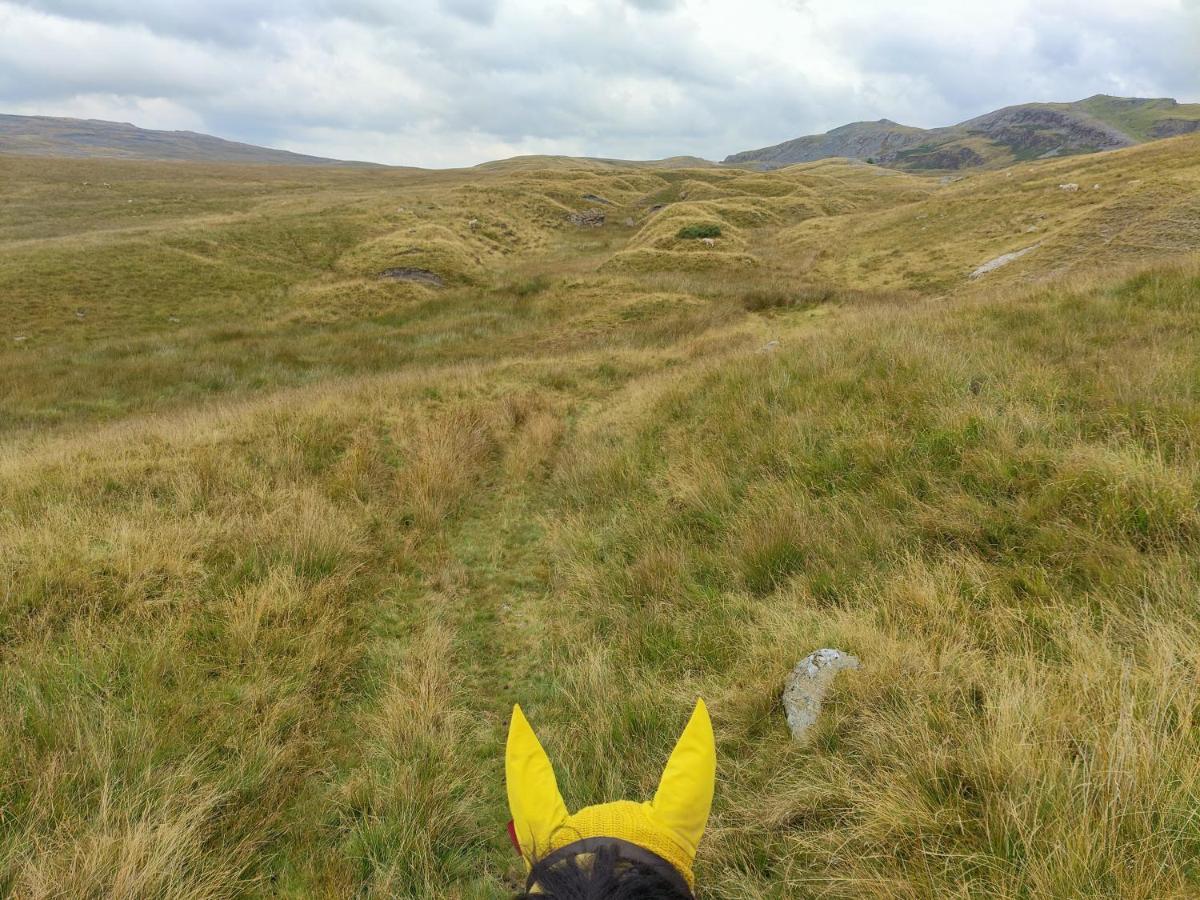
272,576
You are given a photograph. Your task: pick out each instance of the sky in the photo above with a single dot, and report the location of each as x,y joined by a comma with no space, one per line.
456,82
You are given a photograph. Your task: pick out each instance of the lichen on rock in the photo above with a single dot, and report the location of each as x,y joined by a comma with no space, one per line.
808,684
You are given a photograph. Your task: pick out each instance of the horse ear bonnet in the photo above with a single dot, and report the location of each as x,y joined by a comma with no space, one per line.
670,826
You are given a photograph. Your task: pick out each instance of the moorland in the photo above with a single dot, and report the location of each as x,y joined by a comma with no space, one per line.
308,474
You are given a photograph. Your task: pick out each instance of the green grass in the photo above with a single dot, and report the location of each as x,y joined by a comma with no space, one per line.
695,232
1137,119
272,576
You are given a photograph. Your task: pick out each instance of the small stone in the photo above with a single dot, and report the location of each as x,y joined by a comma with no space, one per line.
1070,188
808,684
992,264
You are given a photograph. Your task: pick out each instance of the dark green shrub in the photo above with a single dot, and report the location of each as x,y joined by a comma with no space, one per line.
797,297
702,230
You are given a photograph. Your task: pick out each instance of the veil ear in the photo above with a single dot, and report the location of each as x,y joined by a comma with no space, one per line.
685,791
533,799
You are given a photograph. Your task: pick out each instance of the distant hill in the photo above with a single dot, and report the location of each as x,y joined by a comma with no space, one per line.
1012,134
534,162
61,137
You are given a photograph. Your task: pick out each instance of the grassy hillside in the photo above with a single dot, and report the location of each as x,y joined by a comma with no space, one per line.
1092,213
1143,119
281,540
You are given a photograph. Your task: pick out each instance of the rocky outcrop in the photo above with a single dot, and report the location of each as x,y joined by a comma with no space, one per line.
1035,130
1166,128
945,158
417,276
589,218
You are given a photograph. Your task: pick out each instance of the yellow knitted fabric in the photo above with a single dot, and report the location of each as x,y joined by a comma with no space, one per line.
670,826
628,821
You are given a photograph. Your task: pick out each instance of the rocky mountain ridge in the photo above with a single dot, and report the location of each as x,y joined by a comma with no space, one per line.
1004,136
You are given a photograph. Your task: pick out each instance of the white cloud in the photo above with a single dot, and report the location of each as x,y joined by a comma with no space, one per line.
454,82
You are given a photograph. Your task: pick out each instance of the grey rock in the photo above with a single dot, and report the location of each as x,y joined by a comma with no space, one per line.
1165,128
1003,260
408,273
589,218
808,684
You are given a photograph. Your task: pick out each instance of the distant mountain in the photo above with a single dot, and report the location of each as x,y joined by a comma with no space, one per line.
535,162
1012,134
53,136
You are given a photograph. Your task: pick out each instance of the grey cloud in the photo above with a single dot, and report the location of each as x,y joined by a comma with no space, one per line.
226,22
481,12
654,5
601,75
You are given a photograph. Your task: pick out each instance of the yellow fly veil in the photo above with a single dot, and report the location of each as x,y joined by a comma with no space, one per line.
685,791
670,826
533,799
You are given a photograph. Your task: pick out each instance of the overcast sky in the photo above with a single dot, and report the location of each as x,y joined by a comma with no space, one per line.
454,82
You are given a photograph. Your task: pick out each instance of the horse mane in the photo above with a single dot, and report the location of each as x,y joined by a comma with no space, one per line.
606,875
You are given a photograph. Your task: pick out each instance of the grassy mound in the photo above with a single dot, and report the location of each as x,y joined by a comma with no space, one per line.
432,247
